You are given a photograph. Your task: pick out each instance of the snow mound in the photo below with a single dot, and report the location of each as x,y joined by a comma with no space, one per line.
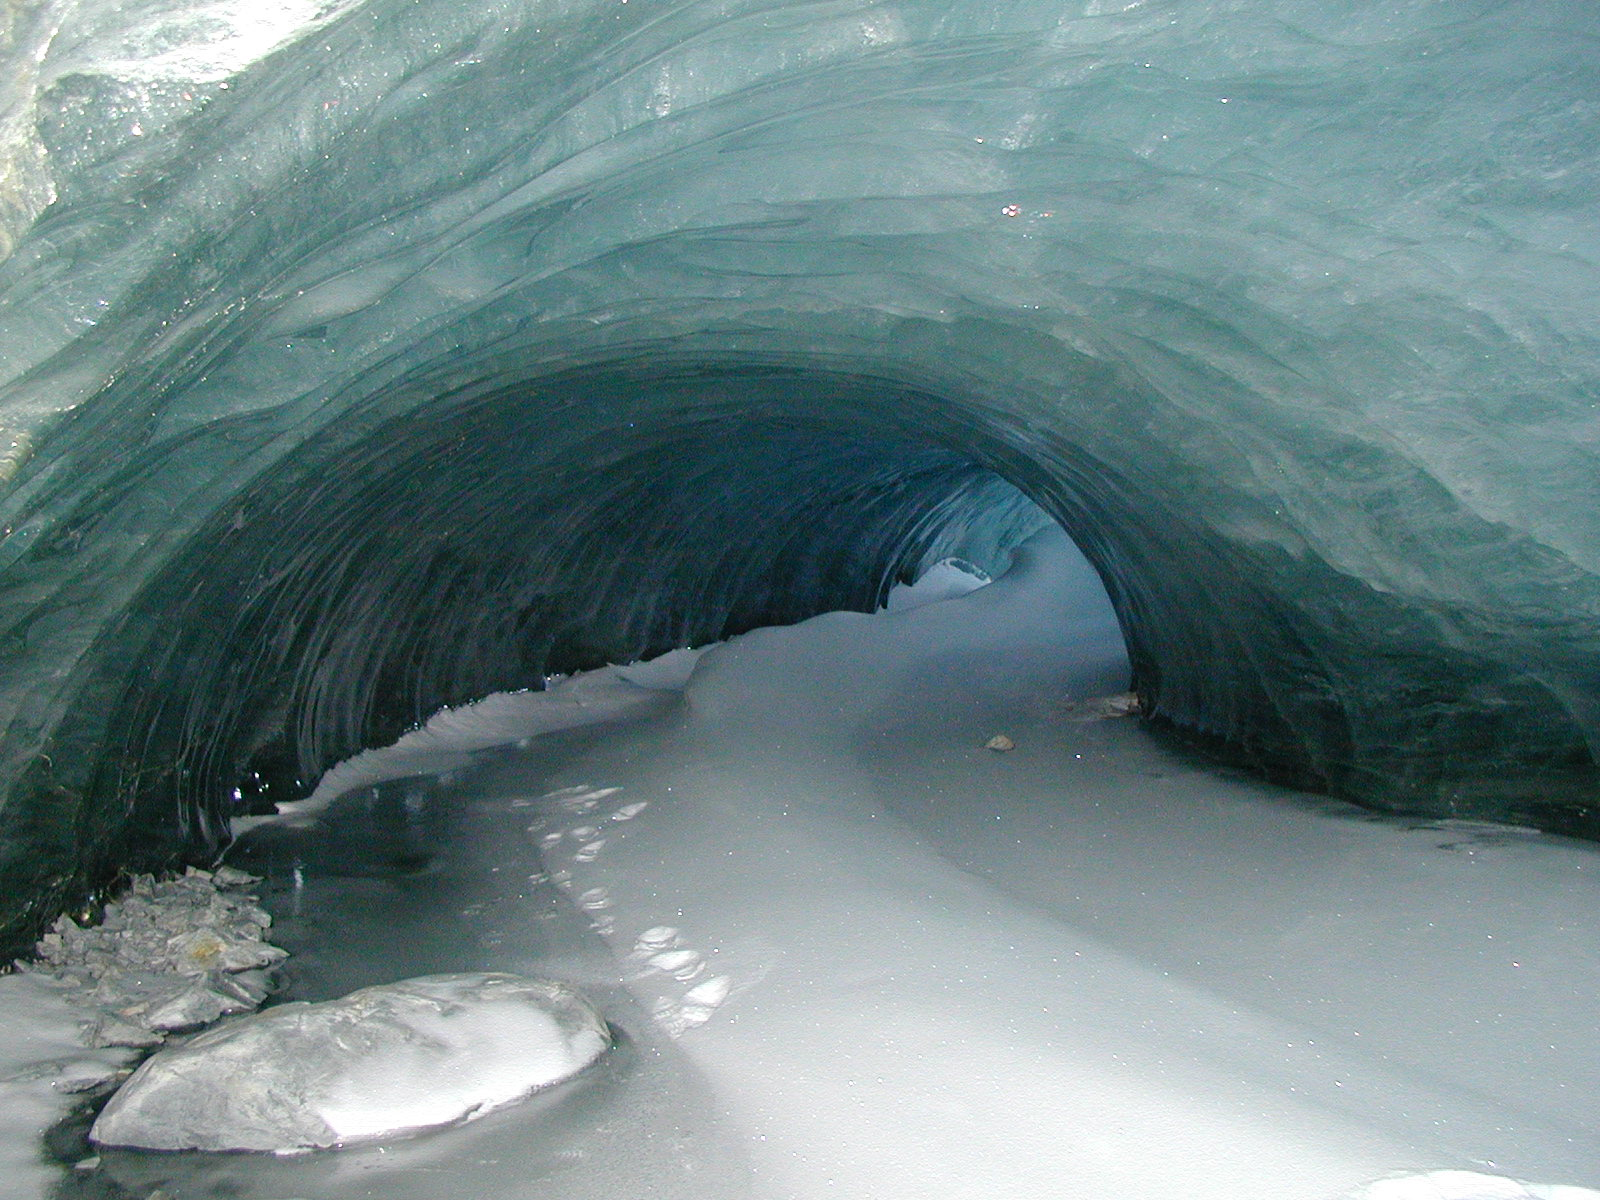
382,1062
1468,1185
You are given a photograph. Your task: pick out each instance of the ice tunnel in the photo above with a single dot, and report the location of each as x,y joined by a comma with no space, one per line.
360,357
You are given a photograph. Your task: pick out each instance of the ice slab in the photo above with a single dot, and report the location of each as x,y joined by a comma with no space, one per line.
44,1063
382,1062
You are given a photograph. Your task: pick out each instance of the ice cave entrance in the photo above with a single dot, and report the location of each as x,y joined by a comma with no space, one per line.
362,360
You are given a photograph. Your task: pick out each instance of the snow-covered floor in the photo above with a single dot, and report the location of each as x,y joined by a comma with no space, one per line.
855,954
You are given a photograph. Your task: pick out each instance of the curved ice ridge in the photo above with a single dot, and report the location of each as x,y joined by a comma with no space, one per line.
453,737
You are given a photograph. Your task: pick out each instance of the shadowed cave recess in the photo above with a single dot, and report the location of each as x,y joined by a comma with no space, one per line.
364,358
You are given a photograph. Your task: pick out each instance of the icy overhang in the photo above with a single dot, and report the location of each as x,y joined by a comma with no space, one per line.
370,356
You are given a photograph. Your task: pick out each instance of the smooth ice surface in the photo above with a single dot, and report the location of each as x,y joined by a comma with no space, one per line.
1468,1185
362,359
1154,983
908,966
383,1062
43,1064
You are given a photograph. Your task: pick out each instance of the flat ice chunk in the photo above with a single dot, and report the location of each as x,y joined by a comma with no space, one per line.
379,1063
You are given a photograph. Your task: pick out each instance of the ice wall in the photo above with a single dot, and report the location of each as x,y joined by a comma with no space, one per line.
358,357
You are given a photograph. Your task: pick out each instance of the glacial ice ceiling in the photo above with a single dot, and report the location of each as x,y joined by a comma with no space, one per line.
361,357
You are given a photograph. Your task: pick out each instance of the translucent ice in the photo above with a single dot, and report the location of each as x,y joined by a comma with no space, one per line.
382,1062
360,360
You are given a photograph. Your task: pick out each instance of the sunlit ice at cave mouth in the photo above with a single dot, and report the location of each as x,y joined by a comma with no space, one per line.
617,364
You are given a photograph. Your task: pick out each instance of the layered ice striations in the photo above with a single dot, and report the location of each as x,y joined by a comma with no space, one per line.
359,359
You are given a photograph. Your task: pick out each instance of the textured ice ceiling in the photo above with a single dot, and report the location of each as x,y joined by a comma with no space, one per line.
362,357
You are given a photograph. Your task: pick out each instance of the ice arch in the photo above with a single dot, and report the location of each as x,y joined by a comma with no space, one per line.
321,321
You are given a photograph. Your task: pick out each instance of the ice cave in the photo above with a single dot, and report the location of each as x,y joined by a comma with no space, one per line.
360,359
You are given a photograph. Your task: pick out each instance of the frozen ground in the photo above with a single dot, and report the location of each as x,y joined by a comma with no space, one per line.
852,953
163,958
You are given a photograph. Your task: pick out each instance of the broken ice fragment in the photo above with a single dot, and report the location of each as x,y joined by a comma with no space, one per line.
109,1031
189,1009
382,1062
197,951
85,1075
